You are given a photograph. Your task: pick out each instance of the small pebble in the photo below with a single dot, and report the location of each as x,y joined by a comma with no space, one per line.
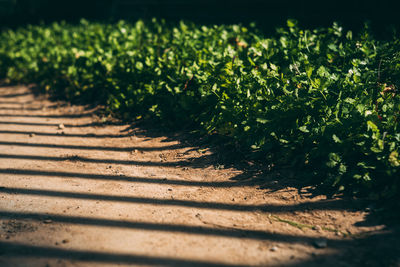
274,248
169,189
322,243
48,221
61,126
65,241
32,135
317,228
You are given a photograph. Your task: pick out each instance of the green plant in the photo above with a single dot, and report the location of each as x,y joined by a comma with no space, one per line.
322,101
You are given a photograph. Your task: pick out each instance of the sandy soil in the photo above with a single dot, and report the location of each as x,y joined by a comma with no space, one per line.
75,192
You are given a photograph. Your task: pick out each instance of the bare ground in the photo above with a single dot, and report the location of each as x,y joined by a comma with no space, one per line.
75,192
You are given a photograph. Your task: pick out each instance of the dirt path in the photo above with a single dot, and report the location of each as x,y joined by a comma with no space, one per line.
75,193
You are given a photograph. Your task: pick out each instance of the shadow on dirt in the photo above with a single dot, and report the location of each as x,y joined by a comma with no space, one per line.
27,251
321,205
375,249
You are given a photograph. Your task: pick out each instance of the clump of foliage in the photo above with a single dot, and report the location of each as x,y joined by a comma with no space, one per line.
323,101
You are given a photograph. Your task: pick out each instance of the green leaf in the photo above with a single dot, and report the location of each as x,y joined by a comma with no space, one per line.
372,126
304,129
261,120
309,71
139,65
334,160
291,23
336,139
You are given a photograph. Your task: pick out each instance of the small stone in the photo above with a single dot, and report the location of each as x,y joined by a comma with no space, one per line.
337,233
317,228
65,241
32,135
169,189
48,221
321,243
61,126
274,248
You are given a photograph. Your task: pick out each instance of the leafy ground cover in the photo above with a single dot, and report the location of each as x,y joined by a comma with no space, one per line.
323,101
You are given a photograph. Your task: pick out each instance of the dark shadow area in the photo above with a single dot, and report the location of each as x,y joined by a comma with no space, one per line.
16,102
100,148
227,232
88,135
89,114
92,124
320,205
15,95
377,249
42,108
90,160
266,13
8,249
27,109
106,177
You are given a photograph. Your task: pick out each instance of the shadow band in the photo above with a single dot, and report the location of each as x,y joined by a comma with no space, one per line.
89,135
51,124
15,102
67,116
29,251
27,109
176,202
15,95
90,160
118,178
102,148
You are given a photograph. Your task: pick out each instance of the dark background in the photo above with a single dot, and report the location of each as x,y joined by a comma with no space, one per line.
383,15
